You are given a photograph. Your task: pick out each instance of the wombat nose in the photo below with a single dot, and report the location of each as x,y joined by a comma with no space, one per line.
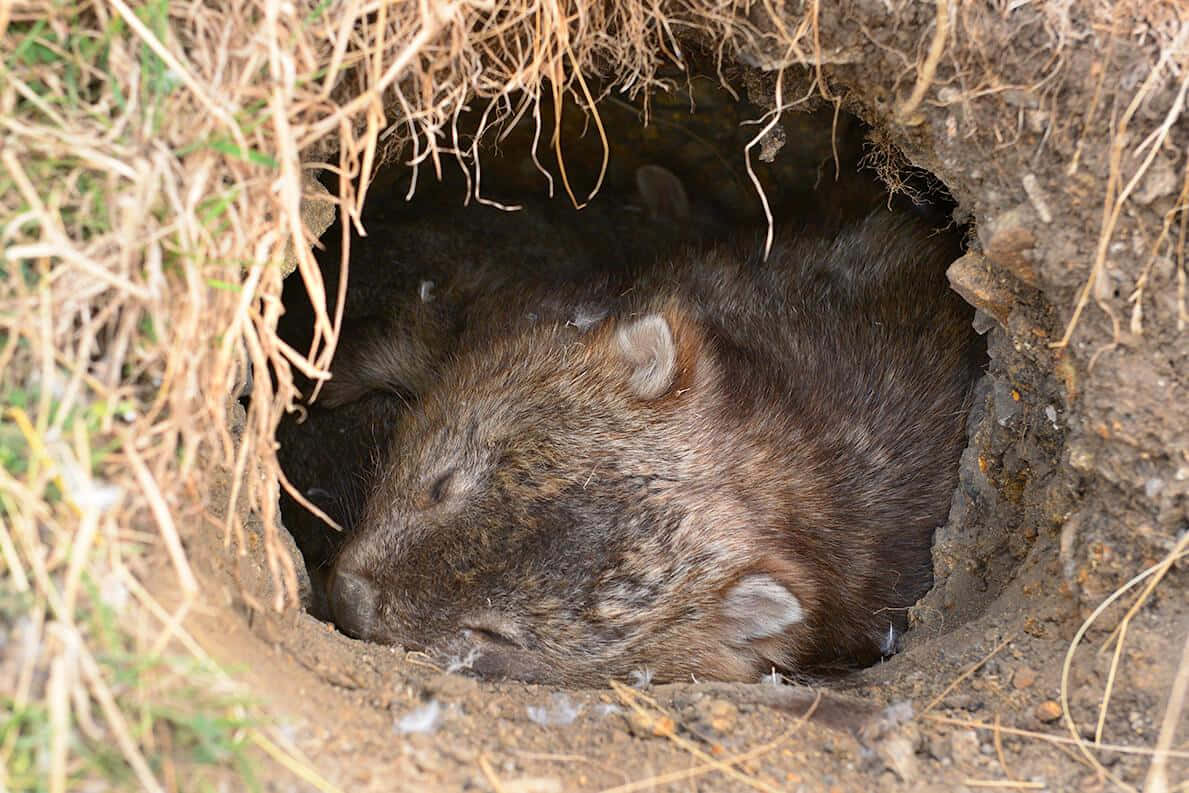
353,604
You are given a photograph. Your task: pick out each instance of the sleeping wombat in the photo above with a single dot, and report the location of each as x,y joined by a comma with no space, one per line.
728,467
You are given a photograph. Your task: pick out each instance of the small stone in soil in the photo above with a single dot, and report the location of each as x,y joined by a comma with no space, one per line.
1048,711
1023,678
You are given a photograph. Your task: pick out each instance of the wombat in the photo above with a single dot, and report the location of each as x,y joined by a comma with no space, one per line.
729,466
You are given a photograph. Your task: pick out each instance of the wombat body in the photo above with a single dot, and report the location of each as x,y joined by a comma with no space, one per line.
715,466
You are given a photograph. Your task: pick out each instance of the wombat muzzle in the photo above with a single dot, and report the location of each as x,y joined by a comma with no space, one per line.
353,604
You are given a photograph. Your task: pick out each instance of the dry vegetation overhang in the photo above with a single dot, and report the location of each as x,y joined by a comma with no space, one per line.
153,162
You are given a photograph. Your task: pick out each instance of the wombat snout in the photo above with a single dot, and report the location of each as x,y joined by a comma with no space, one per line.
353,599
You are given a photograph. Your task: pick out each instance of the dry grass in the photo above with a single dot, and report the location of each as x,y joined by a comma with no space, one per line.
1173,65
1088,751
150,180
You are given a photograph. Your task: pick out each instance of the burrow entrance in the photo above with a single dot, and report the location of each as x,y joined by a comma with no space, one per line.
1001,600
821,171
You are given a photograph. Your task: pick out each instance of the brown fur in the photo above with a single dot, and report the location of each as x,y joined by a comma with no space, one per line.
740,467
473,281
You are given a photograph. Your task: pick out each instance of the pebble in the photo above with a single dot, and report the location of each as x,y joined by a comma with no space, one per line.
971,278
1009,244
1023,678
1048,711
647,725
899,754
1160,180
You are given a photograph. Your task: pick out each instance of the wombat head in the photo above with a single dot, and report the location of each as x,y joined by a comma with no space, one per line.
556,510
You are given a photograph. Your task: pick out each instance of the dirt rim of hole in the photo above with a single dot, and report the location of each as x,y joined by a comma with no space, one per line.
1059,131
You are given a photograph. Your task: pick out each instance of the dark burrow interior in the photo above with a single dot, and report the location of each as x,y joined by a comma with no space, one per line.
829,168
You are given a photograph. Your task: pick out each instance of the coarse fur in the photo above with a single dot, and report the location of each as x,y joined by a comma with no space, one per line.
735,465
458,299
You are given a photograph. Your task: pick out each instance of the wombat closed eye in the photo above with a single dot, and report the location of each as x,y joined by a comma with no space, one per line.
729,466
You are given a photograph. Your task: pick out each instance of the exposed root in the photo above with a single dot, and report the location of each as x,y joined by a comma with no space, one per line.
928,69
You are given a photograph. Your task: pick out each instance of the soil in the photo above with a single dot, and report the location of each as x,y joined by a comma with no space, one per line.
1075,480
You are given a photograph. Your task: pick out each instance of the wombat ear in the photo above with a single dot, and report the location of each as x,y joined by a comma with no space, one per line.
648,347
663,193
759,607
